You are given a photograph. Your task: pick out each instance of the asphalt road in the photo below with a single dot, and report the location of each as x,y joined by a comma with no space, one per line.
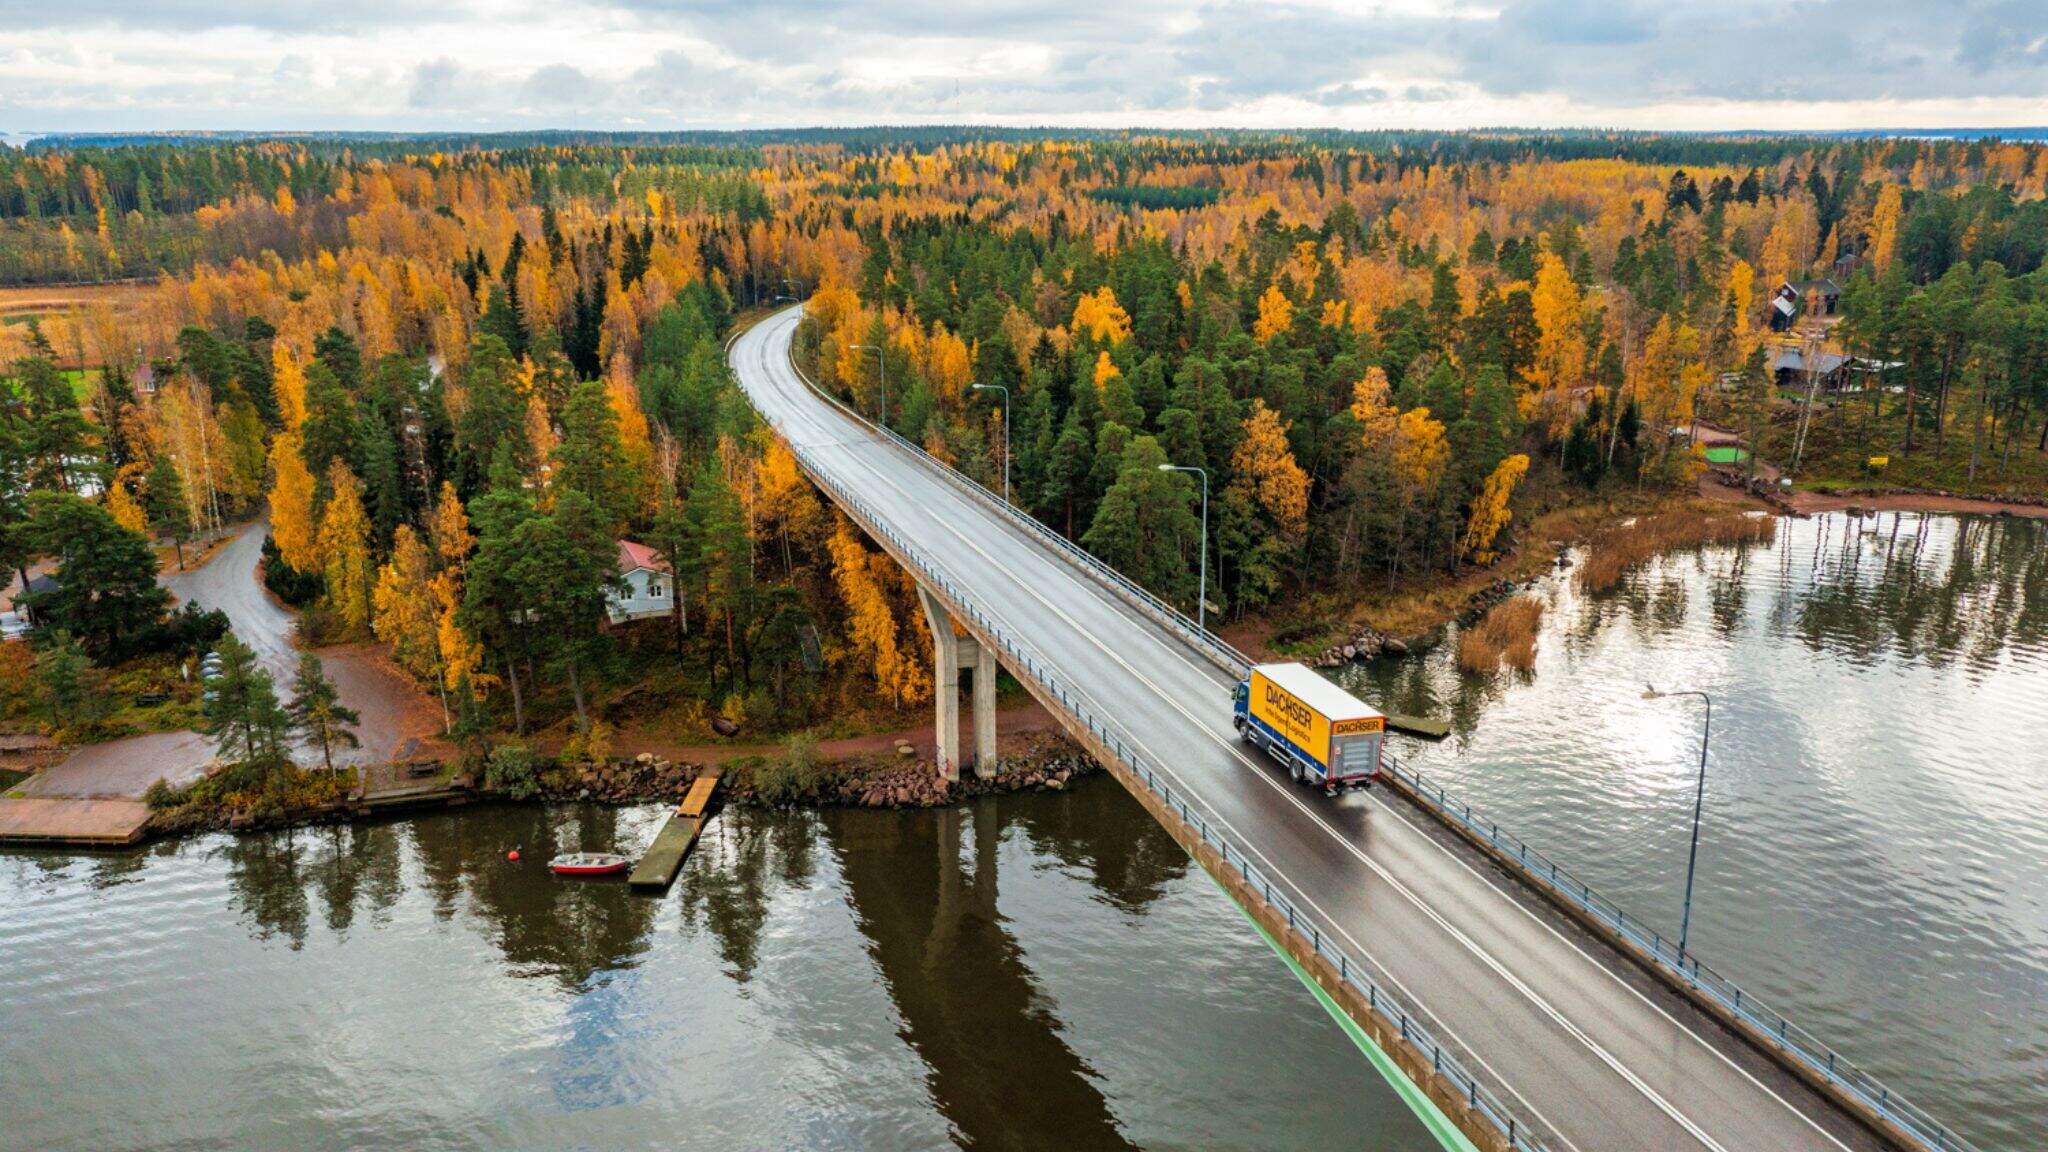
1596,1056
395,713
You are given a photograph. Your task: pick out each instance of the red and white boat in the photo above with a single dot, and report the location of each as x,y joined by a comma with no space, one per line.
589,864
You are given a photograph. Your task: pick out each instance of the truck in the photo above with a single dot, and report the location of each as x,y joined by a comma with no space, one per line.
1320,733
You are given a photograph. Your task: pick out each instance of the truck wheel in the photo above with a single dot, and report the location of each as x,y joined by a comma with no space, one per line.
1294,770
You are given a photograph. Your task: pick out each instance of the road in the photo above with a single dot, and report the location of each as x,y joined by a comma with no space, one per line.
1578,1043
395,713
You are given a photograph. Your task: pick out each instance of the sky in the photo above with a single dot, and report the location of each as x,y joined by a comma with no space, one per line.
488,65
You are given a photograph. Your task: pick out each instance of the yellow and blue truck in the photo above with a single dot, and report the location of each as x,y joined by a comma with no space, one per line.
1322,734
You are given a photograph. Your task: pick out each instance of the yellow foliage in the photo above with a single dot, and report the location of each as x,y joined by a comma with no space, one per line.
871,623
1276,315
1420,450
404,607
1490,510
1101,317
1884,228
126,510
291,504
449,528
1265,469
1105,370
288,383
345,551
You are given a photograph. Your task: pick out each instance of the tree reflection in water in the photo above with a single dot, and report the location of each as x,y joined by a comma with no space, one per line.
924,891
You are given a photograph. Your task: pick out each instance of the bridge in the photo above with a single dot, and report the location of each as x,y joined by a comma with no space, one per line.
1504,1003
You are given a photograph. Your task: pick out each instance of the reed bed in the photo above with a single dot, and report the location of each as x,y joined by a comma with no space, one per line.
1614,554
1506,635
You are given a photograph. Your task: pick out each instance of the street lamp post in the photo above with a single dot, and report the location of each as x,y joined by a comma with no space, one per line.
1006,432
881,358
1202,592
1698,799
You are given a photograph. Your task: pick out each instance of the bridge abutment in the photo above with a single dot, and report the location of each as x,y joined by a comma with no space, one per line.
953,650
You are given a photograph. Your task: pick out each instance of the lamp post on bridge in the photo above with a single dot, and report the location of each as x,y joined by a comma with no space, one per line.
881,358
1698,799
1202,592
1004,389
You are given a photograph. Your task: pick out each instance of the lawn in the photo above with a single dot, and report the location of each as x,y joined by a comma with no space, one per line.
1843,438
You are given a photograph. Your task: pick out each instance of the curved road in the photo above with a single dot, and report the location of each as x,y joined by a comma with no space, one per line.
396,715
1593,1054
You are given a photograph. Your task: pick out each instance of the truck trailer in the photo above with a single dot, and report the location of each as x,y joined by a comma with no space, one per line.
1322,734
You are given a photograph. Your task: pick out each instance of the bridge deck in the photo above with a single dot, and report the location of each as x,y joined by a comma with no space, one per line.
1591,1052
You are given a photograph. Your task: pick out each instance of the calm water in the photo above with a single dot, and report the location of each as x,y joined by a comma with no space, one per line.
1031,972
1874,854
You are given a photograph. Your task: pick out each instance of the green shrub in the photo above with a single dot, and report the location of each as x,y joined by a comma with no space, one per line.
796,776
513,770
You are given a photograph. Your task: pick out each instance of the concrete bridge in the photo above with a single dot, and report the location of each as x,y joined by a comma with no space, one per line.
1506,1020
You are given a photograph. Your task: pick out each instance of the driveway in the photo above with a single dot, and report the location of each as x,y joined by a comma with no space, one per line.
396,715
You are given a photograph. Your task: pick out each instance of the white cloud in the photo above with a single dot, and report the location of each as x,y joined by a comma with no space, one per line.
455,64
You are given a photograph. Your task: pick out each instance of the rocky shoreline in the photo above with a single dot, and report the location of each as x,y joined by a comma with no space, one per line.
1049,764
1371,644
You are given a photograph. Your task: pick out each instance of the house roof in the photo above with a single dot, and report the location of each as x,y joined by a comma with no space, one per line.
1823,286
1794,360
634,556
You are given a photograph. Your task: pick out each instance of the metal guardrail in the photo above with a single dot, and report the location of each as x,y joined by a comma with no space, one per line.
1480,1099
1547,874
1236,662
1539,870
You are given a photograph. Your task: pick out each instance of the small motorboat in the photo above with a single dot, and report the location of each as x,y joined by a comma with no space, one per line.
589,864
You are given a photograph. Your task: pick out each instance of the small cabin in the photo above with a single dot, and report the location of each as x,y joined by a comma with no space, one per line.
650,586
1795,299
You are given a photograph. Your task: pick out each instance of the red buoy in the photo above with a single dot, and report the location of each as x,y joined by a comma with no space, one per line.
512,855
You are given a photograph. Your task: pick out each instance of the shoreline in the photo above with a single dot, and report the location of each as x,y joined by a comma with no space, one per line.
1047,763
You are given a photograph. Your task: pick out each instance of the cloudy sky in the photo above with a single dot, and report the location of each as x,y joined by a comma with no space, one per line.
654,64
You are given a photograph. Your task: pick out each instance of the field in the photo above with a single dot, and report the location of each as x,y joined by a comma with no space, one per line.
58,307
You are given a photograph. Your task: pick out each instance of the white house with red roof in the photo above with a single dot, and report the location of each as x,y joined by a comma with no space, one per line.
650,586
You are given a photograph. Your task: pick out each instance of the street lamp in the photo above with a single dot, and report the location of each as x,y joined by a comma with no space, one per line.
1699,797
1202,595
1006,432
881,357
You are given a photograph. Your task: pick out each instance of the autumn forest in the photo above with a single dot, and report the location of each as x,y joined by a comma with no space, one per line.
455,373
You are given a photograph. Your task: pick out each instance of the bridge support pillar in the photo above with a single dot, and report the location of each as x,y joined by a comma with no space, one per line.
952,650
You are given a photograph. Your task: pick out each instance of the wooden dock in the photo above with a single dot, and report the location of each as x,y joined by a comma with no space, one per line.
72,821
665,855
1419,726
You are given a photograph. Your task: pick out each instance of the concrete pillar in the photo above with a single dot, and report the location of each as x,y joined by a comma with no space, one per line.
945,683
984,712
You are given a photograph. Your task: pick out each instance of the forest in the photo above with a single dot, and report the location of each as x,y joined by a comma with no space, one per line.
456,372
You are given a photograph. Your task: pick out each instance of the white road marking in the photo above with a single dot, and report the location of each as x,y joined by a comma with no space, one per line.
1490,961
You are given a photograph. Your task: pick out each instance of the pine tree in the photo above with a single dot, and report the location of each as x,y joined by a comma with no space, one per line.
317,713
163,501
242,713
591,457
106,594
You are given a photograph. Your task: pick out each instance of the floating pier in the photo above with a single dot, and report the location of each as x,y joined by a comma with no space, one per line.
665,855
1419,726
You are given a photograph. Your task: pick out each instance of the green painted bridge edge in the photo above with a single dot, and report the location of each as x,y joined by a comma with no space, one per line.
1447,1134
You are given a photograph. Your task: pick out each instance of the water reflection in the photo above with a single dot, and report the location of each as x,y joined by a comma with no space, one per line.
1031,972
1874,858
925,895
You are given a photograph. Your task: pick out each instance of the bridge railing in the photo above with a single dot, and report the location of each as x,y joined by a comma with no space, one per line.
1479,1098
1538,869
1201,639
1547,874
